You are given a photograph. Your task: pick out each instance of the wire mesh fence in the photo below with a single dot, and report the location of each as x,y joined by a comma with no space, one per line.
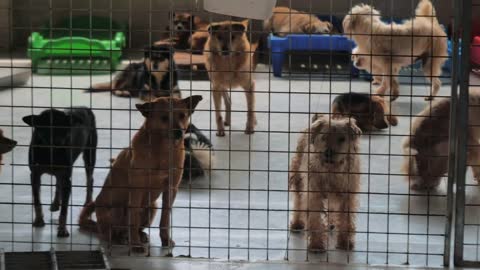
323,134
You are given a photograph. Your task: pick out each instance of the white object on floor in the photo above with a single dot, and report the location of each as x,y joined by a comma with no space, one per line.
251,9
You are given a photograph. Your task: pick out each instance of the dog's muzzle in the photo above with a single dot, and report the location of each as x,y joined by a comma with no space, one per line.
179,27
328,156
225,51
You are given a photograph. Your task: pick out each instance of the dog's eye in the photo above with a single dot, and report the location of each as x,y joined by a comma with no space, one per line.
164,118
341,140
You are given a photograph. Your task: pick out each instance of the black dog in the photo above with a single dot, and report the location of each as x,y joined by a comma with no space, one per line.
59,137
154,77
197,153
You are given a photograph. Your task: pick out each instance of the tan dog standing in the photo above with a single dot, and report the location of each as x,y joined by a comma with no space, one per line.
325,173
230,64
286,21
152,166
393,46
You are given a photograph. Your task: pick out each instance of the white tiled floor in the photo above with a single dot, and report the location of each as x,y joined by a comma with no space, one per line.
240,211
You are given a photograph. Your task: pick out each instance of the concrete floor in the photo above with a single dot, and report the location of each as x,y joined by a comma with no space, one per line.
240,211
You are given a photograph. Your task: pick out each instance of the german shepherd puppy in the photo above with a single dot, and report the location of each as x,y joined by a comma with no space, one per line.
369,111
154,77
6,145
127,202
59,137
229,63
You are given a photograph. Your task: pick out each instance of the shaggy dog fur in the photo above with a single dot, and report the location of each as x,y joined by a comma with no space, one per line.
426,149
393,46
286,21
230,64
325,173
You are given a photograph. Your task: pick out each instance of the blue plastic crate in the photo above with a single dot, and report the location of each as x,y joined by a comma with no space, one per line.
279,46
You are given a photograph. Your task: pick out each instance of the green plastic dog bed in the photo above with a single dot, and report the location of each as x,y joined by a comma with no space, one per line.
82,45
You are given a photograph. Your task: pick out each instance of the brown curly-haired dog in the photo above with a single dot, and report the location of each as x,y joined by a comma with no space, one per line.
325,175
426,149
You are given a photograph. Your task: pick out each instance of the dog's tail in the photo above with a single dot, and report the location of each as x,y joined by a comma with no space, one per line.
101,87
426,10
202,152
85,221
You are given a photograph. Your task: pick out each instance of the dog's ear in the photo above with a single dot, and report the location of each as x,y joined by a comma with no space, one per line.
192,102
319,121
145,108
381,115
353,129
238,27
317,116
213,28
31,120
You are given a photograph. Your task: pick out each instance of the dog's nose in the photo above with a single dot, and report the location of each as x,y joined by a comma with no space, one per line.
177,134
179,27
225,51
328,155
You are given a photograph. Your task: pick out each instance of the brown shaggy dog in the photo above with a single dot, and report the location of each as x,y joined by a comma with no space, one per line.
6,145
152,166
286,21
369,111
229,62
393,46
426,149
325,173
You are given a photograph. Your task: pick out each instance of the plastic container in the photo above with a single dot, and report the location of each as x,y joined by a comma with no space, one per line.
279,46
82,45
250,9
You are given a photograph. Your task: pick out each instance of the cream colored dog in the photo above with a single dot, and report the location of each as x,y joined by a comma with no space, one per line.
393,46
286,21
325,173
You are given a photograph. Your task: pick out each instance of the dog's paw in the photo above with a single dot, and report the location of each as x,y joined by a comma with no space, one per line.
221,133
62,232
250,129
316,247
55,206
429,98
345,244
168,243
297,226
226,123
38,222
138,249
144,238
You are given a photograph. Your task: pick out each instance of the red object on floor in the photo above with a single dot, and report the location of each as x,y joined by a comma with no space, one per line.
475,51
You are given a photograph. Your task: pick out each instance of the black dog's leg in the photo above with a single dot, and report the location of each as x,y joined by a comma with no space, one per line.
35,179
55,206
66,184
89,159
200,136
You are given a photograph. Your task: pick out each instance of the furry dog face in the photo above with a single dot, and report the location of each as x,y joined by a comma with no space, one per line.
183,22
227,37
165,115
317,27
157,57
333,138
